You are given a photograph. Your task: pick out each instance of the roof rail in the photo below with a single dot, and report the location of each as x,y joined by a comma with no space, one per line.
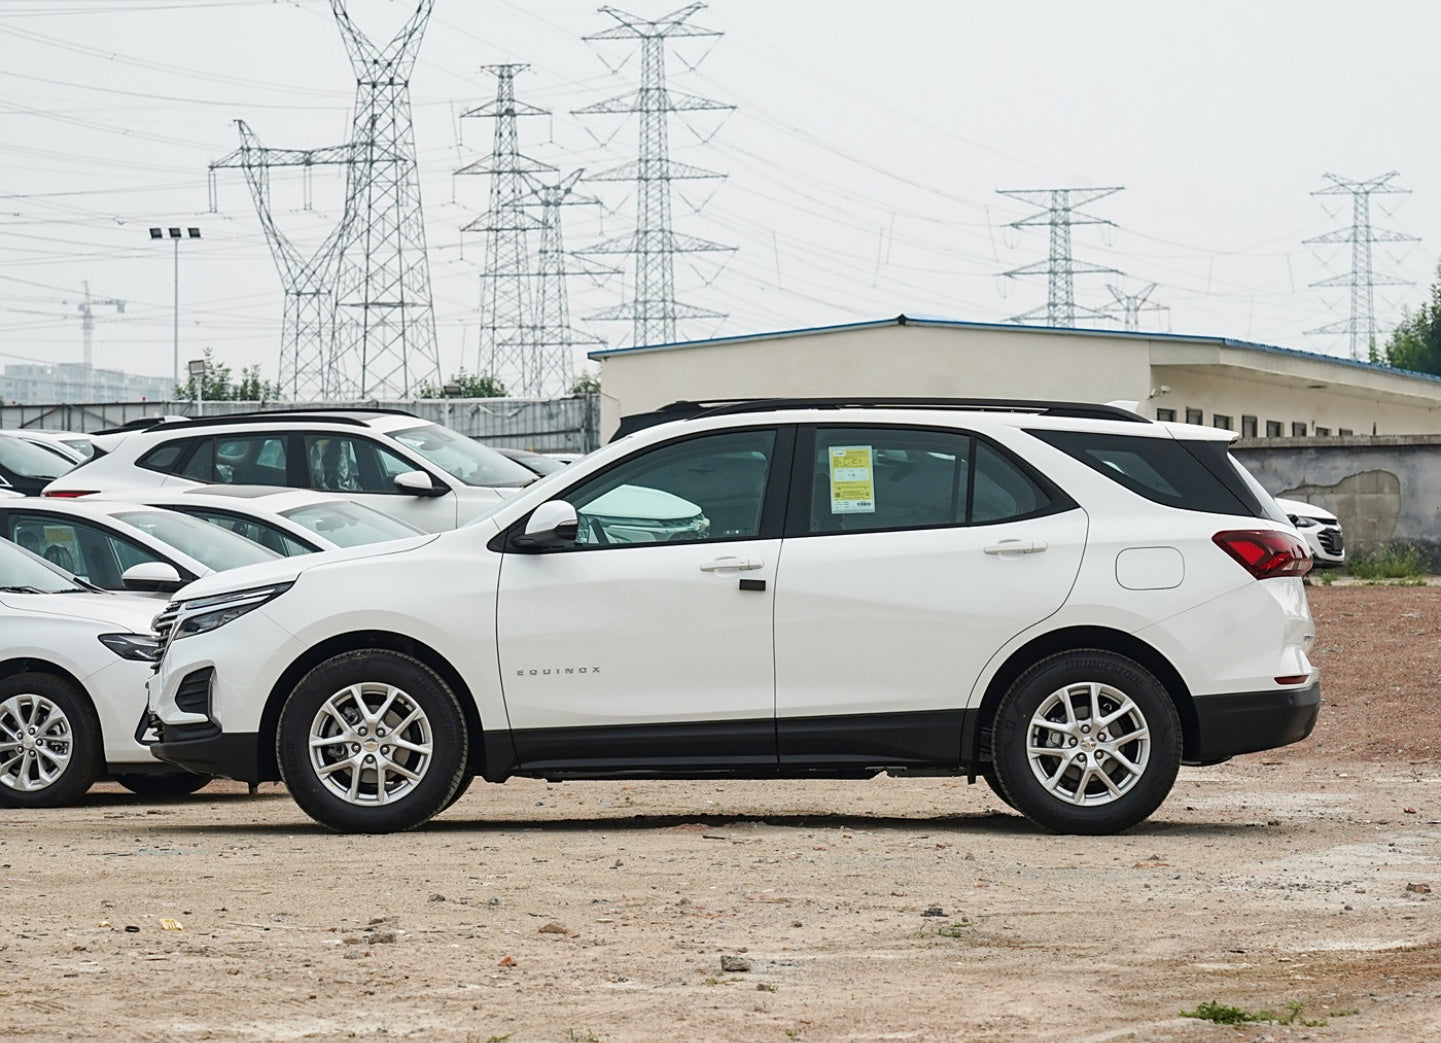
684,410
330,414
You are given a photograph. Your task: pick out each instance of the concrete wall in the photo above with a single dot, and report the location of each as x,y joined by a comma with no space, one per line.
1385,490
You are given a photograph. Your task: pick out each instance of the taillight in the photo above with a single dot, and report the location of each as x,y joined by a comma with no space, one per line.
68,493
1265,553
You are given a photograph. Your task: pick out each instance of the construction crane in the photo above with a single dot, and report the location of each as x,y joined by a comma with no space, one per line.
87,328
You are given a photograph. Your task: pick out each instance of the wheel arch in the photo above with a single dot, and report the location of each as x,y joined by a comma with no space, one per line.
32,664
976,739
362,640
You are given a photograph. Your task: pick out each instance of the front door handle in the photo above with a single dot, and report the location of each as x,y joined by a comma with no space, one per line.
1016,547
726,564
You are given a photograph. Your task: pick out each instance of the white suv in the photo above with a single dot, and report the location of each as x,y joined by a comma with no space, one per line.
1068,601
395,462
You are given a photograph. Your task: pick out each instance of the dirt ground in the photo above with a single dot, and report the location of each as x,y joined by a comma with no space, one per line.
894,909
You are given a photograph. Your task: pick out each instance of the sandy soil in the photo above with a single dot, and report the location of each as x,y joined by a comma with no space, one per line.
892,909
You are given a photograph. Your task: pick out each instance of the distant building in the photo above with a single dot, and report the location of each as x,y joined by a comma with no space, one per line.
1256,390
71,382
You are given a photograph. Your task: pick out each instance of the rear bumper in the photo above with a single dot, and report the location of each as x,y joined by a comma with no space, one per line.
206,750
1246,722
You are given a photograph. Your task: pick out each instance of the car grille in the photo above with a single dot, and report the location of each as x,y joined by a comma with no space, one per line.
164,626
1331,540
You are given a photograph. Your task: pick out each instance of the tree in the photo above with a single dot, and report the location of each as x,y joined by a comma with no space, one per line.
1415,343
218,387
585,384
471,385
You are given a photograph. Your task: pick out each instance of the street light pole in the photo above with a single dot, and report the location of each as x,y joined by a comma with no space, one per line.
175,235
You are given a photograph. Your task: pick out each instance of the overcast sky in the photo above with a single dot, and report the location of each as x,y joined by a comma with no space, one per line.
862,159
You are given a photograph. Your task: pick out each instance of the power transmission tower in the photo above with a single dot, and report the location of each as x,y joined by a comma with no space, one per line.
1059,212
653,311
506,350
385,321
1361,326
555,339
308,327
87,332
1132,304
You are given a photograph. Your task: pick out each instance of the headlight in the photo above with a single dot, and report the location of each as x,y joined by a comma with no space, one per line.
202,615
1302,522
141,647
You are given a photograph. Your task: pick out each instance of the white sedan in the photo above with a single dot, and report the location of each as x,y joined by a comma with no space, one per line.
287,521
124,546
72,688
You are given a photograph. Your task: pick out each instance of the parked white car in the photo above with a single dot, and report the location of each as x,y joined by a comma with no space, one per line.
1069,601
124,546
72,445
395,462
286,521
73,666
1321,530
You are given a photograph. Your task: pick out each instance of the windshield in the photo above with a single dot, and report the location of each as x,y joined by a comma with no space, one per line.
350,524
21,569
213,547
465,458
29,460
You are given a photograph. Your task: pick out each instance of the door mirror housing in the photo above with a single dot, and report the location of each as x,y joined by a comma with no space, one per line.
152,577
419,483
551,526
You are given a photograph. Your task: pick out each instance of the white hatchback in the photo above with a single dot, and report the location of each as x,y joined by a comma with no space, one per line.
1068,601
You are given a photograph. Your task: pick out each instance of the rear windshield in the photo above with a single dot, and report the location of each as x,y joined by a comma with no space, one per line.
1191,475
30,461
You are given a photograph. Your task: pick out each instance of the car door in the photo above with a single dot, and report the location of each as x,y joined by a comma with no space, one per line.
912,554
648,641
365,471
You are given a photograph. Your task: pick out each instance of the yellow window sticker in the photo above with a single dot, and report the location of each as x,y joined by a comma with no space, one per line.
853,487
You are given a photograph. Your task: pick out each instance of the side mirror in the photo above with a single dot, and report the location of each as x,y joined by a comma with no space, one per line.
418,483
152,577
552,525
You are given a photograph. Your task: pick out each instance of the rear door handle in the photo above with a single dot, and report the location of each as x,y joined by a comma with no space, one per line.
725,564
1016,547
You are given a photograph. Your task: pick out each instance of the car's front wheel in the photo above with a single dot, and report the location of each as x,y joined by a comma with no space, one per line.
372,742
50,749
1086,742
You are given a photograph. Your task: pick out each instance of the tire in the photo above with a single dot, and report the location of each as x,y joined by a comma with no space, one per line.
1065,774
50,748
465,781
170,784
989,774
331,743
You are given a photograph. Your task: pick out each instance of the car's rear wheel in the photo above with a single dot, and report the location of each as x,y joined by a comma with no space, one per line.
372,742
169,784
1086,742
50,749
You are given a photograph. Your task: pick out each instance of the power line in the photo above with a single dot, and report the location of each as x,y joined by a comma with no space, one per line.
653,309
1059,213
1362,279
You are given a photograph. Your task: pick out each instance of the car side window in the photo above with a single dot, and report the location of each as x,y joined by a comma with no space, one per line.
78,547
710,487
889,478
255,531
342,463
238,460
163,458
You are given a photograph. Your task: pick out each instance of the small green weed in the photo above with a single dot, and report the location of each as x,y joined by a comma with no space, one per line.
588,1036
1397,562
954,930
1224,1015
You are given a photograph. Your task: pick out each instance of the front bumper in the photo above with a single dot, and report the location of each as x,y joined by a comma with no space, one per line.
1246,722
206,750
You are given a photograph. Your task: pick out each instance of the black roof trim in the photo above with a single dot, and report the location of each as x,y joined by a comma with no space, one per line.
324,414
692,410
